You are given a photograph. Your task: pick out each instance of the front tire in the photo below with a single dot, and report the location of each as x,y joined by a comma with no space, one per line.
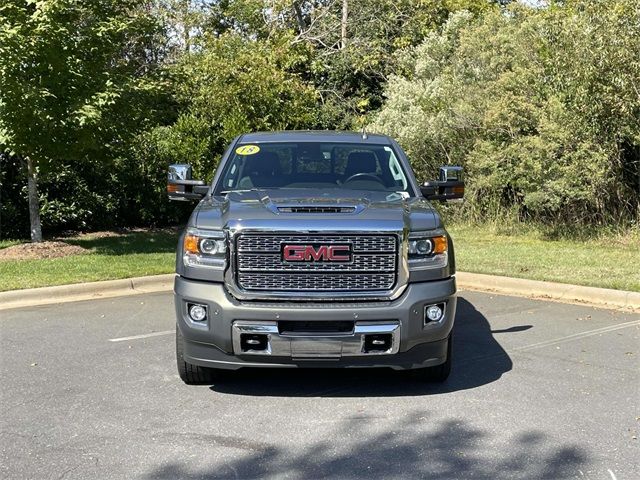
189,373
439,373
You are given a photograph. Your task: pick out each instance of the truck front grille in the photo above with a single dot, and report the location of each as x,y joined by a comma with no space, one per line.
259,264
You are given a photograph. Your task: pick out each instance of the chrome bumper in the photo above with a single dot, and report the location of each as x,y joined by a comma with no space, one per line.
313,345
212,343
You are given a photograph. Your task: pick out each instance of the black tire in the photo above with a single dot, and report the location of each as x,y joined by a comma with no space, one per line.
439,373
193,374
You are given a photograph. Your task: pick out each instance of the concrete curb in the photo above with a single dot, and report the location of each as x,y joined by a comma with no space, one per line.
85,291
598,297
561,292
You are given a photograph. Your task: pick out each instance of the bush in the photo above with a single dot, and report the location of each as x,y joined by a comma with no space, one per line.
233,86
539,105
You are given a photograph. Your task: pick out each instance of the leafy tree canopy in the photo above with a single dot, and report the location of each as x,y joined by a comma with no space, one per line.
233,86
68,69
540,105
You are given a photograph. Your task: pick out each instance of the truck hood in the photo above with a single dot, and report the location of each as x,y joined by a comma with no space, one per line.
278,210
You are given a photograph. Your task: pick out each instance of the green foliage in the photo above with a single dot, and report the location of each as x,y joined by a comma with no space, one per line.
78,81
67,67
351,77
232,87
540,105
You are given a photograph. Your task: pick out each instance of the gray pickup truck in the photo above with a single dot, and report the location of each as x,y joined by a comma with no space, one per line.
314,249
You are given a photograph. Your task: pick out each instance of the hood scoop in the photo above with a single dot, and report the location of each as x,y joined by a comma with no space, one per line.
316,209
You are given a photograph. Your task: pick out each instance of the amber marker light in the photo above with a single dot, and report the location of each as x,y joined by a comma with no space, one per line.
191,244
440,244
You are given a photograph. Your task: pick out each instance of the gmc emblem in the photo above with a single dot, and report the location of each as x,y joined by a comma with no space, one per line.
316,253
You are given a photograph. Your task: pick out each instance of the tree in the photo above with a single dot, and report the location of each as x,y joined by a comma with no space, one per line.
351,45
540,105
355,45
185,21
234,85
65,67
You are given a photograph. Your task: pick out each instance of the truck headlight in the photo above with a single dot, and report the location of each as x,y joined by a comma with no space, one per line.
427,251
205,248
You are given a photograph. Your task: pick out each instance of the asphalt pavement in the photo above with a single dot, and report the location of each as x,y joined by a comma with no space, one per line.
538,390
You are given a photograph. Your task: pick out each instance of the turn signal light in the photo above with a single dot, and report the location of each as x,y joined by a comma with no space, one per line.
191,244
440,244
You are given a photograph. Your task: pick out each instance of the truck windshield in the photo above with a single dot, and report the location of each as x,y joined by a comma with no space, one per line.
313,165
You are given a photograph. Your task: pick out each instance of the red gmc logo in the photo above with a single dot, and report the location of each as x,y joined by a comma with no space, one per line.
316,253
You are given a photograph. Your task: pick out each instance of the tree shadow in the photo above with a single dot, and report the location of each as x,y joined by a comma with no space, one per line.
478,359
416,446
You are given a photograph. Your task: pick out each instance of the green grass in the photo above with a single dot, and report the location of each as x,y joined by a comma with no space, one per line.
128,255
609,263
8,243
612,262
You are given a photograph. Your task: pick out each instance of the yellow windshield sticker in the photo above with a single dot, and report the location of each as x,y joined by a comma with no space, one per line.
247,149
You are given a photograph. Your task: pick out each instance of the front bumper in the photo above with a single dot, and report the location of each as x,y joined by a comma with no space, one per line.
413,343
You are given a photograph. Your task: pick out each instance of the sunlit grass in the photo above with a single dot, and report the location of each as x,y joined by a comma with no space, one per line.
108,258
612,262
8,243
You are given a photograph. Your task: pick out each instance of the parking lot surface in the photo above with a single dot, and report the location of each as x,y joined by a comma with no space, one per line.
538,390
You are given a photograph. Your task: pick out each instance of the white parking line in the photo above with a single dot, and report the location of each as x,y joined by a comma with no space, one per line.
576,336
146,335
533,346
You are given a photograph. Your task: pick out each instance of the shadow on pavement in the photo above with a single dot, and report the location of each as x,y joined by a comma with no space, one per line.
478,359
417,446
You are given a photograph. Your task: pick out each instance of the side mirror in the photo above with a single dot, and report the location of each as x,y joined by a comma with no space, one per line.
181,186
449,186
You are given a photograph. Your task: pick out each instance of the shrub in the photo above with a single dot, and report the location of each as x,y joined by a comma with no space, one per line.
539,105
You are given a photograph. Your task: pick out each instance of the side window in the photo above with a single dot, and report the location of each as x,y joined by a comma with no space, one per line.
396,170
231,178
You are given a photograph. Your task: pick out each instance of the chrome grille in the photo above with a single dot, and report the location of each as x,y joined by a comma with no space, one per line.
271,261
361,243
316,281
259,265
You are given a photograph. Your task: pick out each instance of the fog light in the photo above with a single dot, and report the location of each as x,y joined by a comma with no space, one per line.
434,313
197,313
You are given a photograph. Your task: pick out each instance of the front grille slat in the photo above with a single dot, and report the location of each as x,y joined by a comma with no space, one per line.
259,265
361,243
316,281
256,262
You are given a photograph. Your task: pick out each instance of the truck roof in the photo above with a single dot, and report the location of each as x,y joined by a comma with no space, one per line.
314,136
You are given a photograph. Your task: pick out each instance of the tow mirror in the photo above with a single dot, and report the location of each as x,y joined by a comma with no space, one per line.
181,186
449,186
